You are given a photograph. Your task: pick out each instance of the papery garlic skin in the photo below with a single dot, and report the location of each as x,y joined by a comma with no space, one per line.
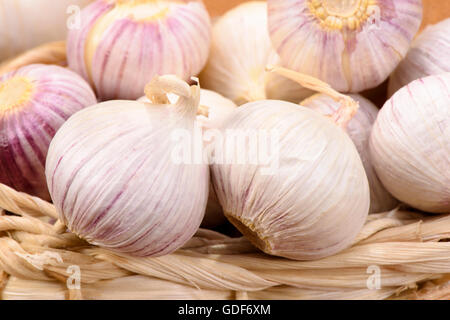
429,55
410,144
122,45
115,182
25,24
359,129
216,110
34,102
352,45
240,51
314,203
213,112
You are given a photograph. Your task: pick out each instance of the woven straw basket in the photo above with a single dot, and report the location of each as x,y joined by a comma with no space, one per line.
406,251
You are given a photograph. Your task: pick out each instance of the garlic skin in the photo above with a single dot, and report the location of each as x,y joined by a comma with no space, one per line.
113,178
34,102
24,26
240,50
216,110
314,203
410,144
429,55
213,112
352,45
359,129
122,45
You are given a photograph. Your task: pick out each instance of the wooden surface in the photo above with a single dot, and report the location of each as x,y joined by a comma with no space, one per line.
434,10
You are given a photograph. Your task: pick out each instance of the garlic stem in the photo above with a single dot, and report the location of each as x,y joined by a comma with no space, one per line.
203,110
158,89
256,93
348,108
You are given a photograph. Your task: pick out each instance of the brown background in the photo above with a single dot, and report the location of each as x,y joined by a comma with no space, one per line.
434,10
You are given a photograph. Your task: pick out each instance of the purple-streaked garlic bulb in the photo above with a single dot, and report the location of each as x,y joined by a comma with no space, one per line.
34,102
359,129
353,45
429,55
119,178
410,144
240,52
214,109
123,44
25,24
293,181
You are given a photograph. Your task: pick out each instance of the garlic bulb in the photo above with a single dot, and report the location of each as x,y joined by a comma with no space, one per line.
34,102
352,45
115,176
213,111
240,51
410,144
24,26
309,196
359,129
429,55
123,44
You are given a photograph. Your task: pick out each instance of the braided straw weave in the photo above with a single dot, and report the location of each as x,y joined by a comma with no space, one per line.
38,256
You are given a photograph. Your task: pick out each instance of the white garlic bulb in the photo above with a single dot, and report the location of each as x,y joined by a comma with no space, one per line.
352,45
410,144
240,51
25,24
213,111
429,55
359,129
122,44
115,177
35,101
309,197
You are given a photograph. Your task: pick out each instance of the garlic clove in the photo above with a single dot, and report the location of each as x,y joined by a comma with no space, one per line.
237,60
352,45
410,144
115,178
359,129
34,102
122,45
429,55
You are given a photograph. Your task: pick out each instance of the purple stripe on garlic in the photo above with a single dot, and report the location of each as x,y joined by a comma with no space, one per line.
352,45
34,102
